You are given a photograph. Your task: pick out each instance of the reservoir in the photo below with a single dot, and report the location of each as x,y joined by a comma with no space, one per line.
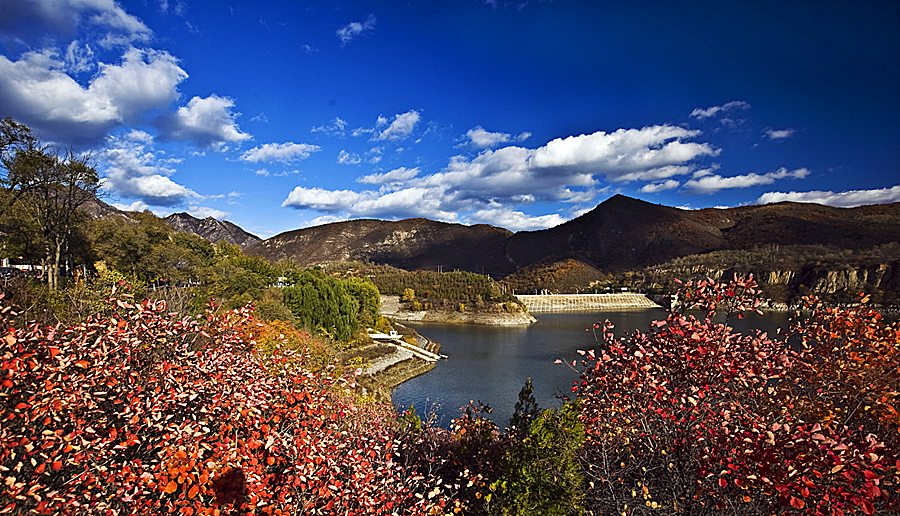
490,363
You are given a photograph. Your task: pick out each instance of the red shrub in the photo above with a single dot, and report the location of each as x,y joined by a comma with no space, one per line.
144,414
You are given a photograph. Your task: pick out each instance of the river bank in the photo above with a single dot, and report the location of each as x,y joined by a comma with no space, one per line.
492,315
390,366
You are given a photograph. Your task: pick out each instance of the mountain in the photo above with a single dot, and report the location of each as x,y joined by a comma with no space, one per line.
619,234
211,229
409,244
624,233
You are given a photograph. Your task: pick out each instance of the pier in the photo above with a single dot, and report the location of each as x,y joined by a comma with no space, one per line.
585,302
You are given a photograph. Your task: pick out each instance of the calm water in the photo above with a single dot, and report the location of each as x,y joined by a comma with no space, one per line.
491,363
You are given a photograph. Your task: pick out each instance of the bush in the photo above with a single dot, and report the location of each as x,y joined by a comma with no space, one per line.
139,413
695,418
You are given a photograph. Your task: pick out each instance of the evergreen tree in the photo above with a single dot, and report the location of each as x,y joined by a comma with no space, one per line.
526,411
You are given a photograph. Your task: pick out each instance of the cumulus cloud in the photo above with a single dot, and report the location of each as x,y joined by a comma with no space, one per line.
133,170
659,187
778,134
700,113
565,169
711,183
400,128
394,176
353,30
202,212
208,122
38,92
409,202
40,22
515,220
135,206
479,138
283,152
846,199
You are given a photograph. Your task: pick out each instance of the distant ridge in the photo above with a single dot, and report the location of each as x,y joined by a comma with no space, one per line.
621,233
211,229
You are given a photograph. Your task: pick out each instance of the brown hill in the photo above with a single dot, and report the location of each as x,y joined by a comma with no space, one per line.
408,244
619,233
211,229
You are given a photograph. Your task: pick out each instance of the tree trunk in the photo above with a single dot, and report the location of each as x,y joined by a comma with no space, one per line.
55,270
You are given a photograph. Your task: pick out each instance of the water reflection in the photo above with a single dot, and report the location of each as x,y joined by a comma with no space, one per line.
490,364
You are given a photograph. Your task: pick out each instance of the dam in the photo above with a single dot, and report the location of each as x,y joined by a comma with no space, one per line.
585,302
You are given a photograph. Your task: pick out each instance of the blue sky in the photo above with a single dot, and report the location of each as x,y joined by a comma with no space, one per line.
278,115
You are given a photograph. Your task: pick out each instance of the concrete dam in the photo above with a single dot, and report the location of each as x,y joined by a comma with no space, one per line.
585,302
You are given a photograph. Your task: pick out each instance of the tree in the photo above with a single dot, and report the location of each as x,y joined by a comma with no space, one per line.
526,410
49,186
540,475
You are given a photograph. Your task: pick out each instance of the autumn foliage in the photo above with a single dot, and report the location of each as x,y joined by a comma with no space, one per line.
145,413
695,418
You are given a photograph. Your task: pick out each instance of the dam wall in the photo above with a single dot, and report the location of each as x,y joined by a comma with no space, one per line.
585,302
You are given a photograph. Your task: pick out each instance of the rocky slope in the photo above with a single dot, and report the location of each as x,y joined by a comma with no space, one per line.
408,244
211,229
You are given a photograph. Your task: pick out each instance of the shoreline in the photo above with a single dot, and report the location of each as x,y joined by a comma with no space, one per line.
392,308
389,370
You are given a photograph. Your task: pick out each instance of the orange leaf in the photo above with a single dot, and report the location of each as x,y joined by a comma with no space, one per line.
40,468
171,487
56,466
193,492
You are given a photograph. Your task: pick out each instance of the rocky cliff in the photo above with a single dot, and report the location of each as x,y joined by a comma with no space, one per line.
211,229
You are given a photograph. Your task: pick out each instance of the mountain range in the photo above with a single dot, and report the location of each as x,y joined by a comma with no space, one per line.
619,234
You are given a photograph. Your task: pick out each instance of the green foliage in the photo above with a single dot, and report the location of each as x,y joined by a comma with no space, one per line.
525,412
383,325
366,294
540,475
319,302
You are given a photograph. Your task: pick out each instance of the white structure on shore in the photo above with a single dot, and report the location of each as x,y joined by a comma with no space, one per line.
585,302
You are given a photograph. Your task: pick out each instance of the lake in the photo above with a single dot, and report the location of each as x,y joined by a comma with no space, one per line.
491,363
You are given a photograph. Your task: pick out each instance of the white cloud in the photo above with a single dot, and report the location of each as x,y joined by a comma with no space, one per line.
348,158
844,199
353,30
39,22
515,220
563,170
39,93
262,172
283,152
700,113
711,183
202,212
336,127
135,206
394,176
479,138
206,122
409,202
400,128
659,187
134,171
778,134
79,58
